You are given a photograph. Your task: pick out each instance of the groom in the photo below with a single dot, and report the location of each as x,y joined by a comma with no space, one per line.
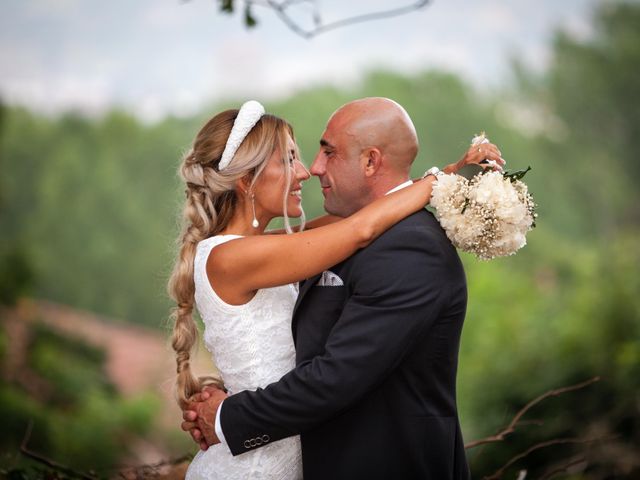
373,393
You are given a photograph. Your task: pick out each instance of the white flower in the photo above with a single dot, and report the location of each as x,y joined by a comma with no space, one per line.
488,215
479,139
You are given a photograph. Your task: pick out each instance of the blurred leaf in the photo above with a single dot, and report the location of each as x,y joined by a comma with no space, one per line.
226,6
249,19
514,175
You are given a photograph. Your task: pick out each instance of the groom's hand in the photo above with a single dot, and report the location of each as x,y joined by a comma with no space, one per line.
200,416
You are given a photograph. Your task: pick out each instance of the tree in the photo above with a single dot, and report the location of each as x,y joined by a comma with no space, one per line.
593,88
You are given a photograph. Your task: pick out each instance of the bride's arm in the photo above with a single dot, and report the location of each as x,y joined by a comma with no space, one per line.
472,155
309,225
242,266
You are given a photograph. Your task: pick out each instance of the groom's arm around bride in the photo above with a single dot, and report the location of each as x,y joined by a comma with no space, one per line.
374,390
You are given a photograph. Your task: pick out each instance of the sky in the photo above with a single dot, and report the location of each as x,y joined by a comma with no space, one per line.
159,57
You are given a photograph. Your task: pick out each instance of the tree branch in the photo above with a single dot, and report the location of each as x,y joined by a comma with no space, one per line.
509,429
48,462
557,441
139,471
150,470
563,468
280,8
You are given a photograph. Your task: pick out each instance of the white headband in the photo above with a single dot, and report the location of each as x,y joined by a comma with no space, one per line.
249,114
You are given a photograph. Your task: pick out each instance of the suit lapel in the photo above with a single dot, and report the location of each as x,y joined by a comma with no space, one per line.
304,288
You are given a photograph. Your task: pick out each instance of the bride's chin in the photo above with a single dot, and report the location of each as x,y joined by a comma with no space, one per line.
294,212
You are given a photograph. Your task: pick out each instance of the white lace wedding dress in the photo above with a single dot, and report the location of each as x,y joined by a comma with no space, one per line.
252,346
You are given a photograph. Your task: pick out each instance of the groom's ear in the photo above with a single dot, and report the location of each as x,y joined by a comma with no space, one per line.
372,160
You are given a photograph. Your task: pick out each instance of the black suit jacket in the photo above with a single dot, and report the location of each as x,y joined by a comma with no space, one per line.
373,392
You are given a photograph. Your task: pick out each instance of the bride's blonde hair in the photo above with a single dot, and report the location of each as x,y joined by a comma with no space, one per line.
210,205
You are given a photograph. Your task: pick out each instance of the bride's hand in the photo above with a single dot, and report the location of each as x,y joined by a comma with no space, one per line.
486,155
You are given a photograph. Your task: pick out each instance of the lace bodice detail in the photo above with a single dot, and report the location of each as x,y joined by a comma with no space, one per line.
252,346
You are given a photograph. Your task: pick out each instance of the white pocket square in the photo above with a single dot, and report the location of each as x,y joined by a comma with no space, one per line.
329,279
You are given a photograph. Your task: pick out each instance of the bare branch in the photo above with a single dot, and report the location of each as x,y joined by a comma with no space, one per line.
147,471
287,3
563,468
280,8
322,28
557,441
48,462
509,429
139,471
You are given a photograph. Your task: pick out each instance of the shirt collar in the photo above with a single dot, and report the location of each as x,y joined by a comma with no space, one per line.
400,187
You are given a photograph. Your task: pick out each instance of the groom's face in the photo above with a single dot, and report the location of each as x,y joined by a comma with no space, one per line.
338,166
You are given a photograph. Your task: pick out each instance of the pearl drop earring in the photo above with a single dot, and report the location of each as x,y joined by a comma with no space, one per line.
254,223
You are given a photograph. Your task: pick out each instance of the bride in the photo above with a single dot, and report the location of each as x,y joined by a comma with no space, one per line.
244,170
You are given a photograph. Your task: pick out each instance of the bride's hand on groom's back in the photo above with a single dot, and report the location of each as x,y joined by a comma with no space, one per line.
199,416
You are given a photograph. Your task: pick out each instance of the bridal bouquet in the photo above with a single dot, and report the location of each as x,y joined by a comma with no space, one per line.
488,215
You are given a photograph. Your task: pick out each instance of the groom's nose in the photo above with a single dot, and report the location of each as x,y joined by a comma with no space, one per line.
318,167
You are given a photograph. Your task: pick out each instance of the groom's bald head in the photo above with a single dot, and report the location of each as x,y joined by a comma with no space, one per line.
367,149
384,124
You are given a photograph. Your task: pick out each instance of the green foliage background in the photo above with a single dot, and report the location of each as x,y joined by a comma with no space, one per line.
88,211
78,418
